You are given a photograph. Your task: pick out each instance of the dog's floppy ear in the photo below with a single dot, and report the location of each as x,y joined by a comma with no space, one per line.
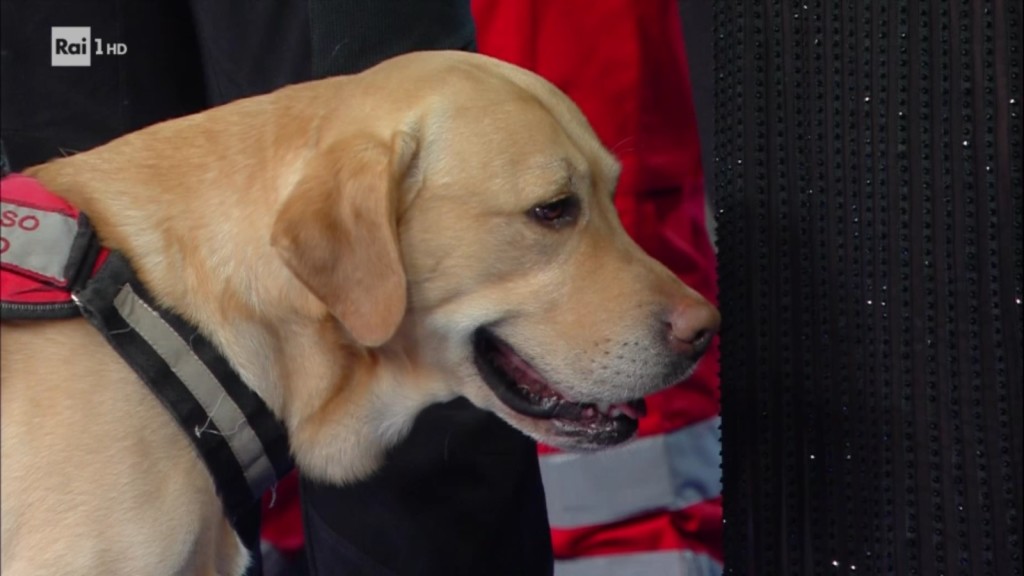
338,233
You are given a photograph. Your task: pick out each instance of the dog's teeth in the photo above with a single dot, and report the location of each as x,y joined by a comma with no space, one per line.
615,411
603,407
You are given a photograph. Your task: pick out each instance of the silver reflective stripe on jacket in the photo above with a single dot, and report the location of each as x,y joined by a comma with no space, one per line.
663,472
664,563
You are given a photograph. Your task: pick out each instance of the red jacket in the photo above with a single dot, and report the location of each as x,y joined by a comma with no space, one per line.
652,506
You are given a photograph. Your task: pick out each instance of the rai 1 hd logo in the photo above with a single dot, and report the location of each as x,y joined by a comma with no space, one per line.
75,46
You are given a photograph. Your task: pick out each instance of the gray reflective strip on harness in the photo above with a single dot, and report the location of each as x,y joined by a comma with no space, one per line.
222,410
32,238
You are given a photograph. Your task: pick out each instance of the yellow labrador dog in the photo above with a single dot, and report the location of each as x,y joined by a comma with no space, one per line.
357,248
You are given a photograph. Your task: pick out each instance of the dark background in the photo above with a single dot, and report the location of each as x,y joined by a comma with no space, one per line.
868,188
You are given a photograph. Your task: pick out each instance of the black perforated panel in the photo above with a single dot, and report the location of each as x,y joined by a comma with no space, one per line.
868,165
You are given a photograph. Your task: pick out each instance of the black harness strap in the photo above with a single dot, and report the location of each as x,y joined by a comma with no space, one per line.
248,452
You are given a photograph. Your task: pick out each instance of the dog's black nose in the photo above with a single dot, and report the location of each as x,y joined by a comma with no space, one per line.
691,326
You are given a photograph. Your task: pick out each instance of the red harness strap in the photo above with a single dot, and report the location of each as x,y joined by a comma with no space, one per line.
47,249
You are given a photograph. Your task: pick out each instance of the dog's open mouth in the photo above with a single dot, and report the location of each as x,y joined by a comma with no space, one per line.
521,387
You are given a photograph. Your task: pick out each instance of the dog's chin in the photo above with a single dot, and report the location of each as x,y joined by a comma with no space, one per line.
525,399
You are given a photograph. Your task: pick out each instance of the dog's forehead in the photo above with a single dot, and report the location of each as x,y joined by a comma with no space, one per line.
512,122
560,173
538,136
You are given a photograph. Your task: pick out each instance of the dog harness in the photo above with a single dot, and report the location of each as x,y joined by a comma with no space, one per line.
52,266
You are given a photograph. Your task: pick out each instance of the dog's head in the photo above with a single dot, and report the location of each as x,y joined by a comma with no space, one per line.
471,222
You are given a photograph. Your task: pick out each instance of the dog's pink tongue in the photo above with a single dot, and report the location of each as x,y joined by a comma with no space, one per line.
626,409
634,409
526,376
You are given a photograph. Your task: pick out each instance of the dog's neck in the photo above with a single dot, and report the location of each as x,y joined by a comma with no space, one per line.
213,265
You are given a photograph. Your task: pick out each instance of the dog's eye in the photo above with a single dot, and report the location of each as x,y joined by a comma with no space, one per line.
557,213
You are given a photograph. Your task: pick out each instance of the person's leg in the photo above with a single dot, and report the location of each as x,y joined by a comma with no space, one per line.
351,35
462,494
250,48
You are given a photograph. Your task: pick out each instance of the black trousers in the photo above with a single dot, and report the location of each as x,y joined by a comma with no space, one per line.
463,494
